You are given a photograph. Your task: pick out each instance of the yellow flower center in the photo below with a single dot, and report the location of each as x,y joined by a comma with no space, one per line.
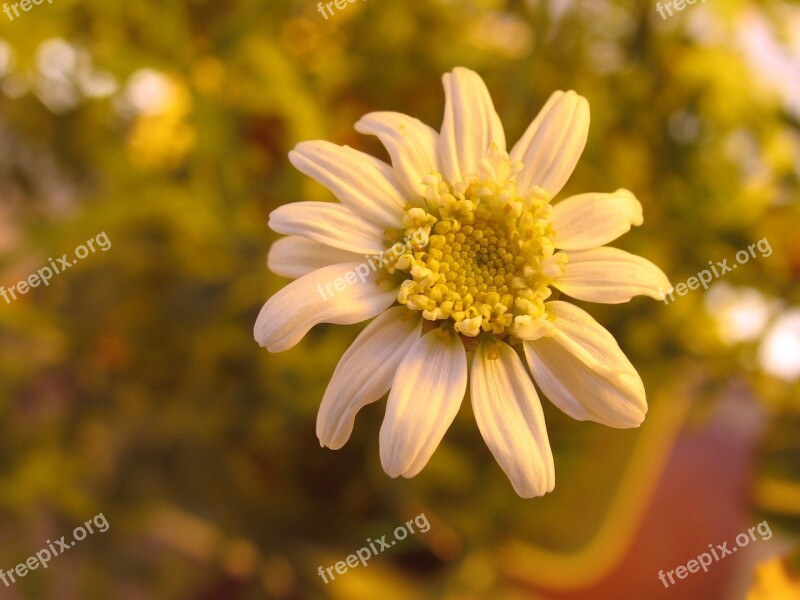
480,255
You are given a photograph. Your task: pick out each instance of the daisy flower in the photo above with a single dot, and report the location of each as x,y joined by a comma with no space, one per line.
457,252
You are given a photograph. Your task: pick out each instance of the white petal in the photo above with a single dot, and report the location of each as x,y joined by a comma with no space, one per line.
364,184
426,394
411,144
611,276
582,370
510,419
365,372
553,143
294,256
591,220
470,125
329,223
290,313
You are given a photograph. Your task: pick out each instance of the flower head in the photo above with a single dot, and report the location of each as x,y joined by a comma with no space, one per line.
456,249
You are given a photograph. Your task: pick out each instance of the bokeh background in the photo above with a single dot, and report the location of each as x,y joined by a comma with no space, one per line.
132,386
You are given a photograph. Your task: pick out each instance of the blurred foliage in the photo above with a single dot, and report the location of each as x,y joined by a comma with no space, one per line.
131,385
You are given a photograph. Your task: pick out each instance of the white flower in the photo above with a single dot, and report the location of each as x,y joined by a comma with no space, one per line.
482,250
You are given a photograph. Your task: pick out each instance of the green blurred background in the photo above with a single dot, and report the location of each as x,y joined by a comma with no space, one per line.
131,385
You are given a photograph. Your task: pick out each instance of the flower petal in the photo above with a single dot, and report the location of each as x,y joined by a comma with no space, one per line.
294,256
582,370
591,220
411,144
426,394
553,143
365,372
511,420
290,313
470,125
329,223
611,276
364,184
